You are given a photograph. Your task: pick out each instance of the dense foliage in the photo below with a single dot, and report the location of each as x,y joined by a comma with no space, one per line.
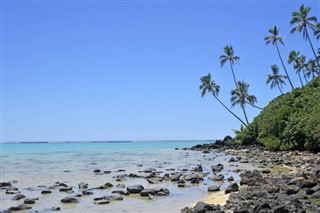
290,121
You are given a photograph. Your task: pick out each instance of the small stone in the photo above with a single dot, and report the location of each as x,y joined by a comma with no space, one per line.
55,208
232,188
69,200
134,189
29,201
213,188
19,207
18,197
46,192
102,202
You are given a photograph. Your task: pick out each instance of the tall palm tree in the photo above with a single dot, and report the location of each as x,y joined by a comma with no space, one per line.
312,68
209,86
229,56
274,38
294,57
241,96
276,79
301,20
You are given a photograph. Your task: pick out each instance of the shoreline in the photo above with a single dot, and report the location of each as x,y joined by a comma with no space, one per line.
283,181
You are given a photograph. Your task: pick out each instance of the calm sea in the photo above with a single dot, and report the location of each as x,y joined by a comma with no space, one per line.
36,164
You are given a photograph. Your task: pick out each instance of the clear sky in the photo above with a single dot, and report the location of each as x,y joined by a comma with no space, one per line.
130,70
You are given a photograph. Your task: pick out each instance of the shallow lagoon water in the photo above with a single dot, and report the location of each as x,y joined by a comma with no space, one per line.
32,165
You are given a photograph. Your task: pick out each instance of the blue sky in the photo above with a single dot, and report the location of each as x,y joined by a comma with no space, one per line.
108,70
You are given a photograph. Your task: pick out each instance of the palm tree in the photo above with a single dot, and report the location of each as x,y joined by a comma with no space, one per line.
294,57
274,38
241,96
276,79
317,32
312,69
301,66
229,56
209,86
301,21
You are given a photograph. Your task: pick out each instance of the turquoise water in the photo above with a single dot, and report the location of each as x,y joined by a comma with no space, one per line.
34,164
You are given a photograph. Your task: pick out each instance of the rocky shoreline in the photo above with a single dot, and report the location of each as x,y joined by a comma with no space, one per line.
285,181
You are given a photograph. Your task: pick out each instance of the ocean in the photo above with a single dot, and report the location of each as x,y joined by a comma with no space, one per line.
33,166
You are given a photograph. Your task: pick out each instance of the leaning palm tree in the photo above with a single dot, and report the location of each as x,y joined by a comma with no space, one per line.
276,79
241,96
274,38
229,56
209,86
312,69
302,21
294,57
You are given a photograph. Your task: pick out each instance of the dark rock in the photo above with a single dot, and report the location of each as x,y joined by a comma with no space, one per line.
5,185
29,201
241,210
281,209
198,168
244,161
12,190
315,195
63,185
97,171
108,184
121,192
292,190
219,177
162,191
85,192
149,170
18,197
102,202
230,178
114,197
233,187
308,184
202,207
266,171
232,159
69,200
106,172
146,192
99,198
19,207
135,189
55,208
213,188
65,189
175,177
46,192
217,168
264,207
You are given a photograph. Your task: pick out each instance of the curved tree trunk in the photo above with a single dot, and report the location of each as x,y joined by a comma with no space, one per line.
314,52
230,111
280,89
304,75
284,66
234,76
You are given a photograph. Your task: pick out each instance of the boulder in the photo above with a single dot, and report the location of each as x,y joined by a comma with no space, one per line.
213,188
146,192
19,207
18,197
233,187
134,189
69,200
217,168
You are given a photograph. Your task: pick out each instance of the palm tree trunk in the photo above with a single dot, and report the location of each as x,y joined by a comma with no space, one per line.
280,89
284,66
304,75
234,77
314,52
245,114
230,111
300,79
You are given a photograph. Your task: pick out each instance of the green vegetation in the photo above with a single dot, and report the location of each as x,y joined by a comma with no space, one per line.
290,121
